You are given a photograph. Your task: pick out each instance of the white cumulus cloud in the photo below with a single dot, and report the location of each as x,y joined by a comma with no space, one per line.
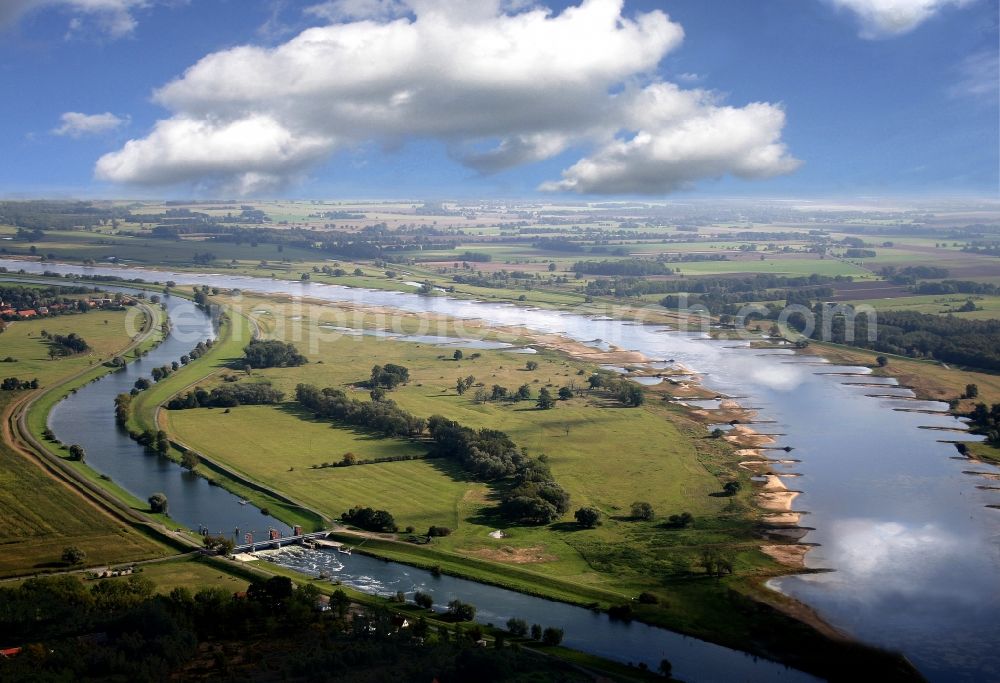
76,125
884,18
501,83
682,136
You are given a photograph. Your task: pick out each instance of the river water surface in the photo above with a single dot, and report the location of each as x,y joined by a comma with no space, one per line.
894,511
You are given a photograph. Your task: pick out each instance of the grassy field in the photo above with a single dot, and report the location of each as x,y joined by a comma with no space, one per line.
988,307
658,456
105,331
41,517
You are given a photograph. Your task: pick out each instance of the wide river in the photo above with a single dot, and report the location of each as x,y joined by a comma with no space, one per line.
894,511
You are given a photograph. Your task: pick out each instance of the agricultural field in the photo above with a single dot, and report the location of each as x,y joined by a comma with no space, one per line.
106,332
41,517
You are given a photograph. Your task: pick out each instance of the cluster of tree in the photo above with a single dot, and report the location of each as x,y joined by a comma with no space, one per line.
123,630
910,274
629,267
123,408
388,376
500,279
992,249
197,352
956,287
461,611
228,396
350,459
476,257
489,454
713,292
59,215
155,440
625,391
463,384
382,416
15,384
164,371
533,496
860,253
502,393
681,521
974,343
557,244
68,344
986,420
369,519
548,636
271,353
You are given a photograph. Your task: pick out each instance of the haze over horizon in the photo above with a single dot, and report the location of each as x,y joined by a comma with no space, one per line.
834,99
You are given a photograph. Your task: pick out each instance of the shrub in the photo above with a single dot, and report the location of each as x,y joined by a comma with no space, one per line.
552,636
588,517
517,627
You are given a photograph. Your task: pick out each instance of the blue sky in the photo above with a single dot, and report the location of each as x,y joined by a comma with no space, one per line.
848,104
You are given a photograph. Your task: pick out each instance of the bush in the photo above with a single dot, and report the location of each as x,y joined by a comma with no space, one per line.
272,353
681,521
158,503
370,519
647,598
588,517
424,600
461,611
438,531
552,636
642,510
517,627
73,555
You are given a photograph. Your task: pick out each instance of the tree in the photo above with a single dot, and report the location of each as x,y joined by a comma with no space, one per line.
77,453
158,503
681,521
425,600
462,611
458,354
536,631
517,627
219,544
531,365
732,488
565,393
349,459
72,555
971,391
588,517
545,400
642,510
523,392
552,267
882,361
190,460
552,636
666,669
